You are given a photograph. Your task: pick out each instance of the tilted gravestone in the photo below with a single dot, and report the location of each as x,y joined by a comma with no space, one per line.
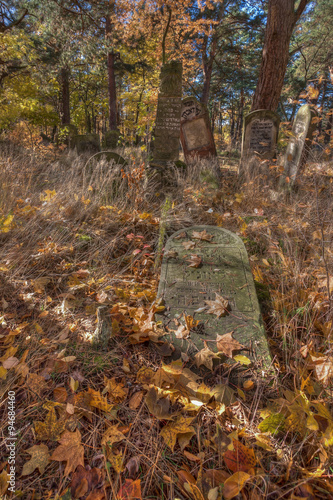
196,133
87,142
223,273
260,133
299,145
167,127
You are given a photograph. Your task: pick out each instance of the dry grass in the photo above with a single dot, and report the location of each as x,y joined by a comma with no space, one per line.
69,248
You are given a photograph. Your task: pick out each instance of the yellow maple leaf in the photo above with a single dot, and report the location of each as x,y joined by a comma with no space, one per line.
174,430
51,428
40,458
97,401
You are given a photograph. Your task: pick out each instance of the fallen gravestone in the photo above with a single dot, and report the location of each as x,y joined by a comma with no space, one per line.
87,142
196,133
167,128
299,145
206,276
260,133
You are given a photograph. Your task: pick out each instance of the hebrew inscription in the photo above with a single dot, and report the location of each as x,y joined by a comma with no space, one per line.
224,271
261,135
168,113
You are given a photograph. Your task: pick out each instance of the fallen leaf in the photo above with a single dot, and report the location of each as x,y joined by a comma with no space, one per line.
135,400
243,360
173,430
133,466
112,435
190,322
205,357
194,261
10,362
322,364
204,236
117,392
97,401
219,306
234,484
248,385
193,458
40,458
227,344
273,424
159,407
240,458
85,481
51,428
188,245
130,490
4,482
70,450
36,383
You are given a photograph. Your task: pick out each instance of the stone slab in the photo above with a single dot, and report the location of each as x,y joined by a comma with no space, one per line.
299,145
196,134
87,142
225,271
260,134
167,126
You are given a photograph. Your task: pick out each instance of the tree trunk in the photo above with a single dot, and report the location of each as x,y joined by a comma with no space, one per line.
65,106
281,20
111,77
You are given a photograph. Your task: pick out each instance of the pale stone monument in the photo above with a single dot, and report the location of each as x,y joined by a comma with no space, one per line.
299,145
260,134
196,133
203,266
167,127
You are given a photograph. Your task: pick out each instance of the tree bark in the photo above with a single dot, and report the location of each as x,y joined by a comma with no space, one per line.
281,20
111,76
65,102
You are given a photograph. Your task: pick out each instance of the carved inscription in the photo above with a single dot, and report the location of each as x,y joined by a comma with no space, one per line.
261,135
190,109
168,113
224,271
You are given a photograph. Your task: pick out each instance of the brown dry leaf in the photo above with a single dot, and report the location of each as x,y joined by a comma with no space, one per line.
195,261
145,375
219,306
188,245
193,458
182,332
204,236
10,352
70,450
323,367
159,407
180,236
4,482
240,458
184,477
171,254
40,458
51,428
130,490
135,400
248,385
227,344
194,491
205,357
234,484
112,435
85,481
36,383
191,322
39,284
133,466
10,362
174,430
97,401
117,391
60,394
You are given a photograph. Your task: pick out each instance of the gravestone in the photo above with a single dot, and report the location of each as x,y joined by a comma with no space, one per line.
299,145
87,142
110,139
224,271
260,133
167,126
108,156
195,132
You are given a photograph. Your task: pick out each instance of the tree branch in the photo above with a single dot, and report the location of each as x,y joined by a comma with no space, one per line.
300,8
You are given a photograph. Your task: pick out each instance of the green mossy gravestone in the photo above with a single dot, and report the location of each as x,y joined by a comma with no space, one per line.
110,139
167,128
224,271
87,142
299,144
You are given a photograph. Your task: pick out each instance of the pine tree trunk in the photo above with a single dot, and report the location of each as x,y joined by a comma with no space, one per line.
281,20
111,81
65,105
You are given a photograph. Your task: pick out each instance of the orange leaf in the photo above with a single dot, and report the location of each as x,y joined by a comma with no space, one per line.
234,484
227,344
70,450
240,458
130,490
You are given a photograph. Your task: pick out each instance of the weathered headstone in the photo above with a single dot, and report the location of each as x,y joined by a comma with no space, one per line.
299,145
223,271
110,139
167,127
196,133
108,156
87,142
260,133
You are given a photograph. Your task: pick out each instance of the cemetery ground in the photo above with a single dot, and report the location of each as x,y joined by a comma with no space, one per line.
119,420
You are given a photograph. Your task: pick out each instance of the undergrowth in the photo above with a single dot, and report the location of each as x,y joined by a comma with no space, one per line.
74,239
